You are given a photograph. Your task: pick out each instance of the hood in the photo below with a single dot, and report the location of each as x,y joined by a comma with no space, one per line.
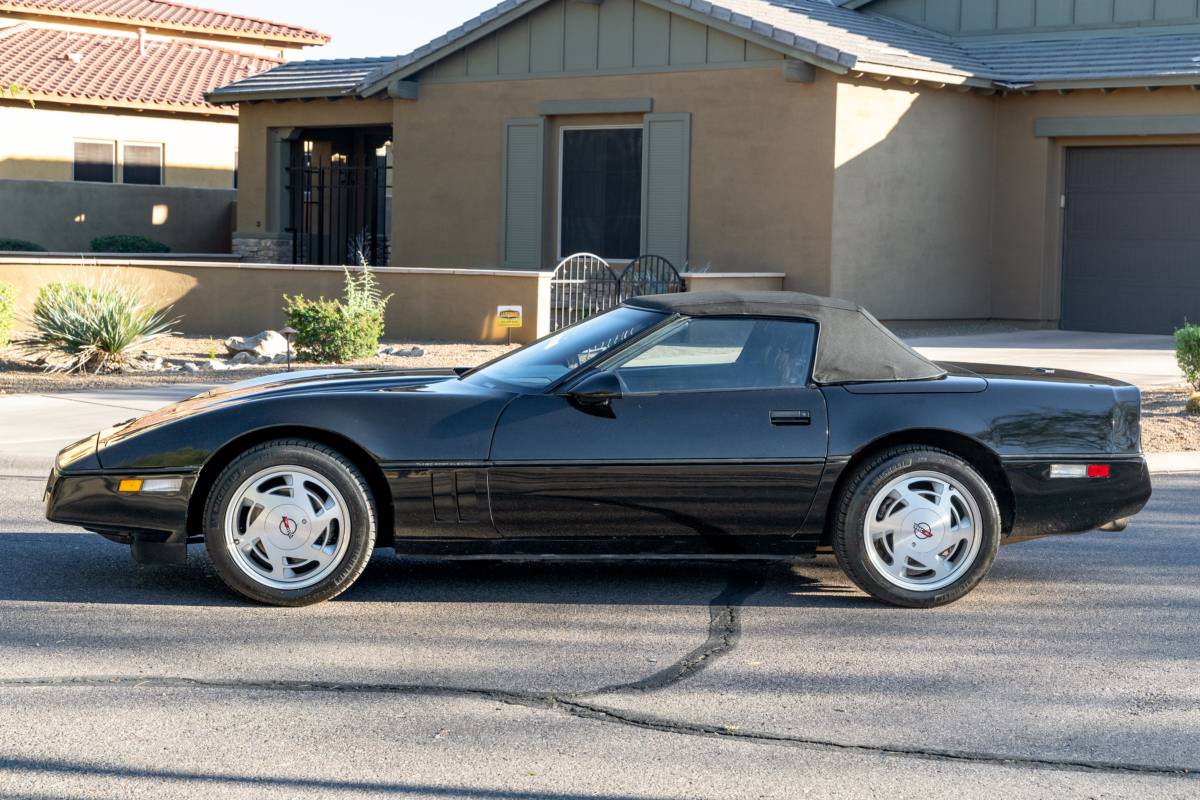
321,381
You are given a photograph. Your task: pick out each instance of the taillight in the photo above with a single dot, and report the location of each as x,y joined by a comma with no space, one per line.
1080,471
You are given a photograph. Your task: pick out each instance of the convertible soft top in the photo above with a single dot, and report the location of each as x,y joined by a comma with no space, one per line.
853,345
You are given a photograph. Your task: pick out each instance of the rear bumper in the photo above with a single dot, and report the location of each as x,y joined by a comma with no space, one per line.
1045,506
154,525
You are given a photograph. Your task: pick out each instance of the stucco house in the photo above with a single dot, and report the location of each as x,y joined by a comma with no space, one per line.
104,116
1033,160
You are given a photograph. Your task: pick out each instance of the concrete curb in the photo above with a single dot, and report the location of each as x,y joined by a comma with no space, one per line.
1167,463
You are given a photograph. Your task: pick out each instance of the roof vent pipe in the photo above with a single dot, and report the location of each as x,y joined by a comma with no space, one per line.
141,41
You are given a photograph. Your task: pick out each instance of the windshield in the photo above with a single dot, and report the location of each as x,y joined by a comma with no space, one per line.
542,363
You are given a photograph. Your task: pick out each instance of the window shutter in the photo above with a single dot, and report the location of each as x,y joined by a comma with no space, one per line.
523,182
666,182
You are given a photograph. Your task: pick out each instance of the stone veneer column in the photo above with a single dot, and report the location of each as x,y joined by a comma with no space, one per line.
263,249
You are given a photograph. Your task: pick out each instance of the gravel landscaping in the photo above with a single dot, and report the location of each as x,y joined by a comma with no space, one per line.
18,374
1166,426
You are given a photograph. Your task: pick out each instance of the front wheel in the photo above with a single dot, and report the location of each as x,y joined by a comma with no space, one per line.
916,527
290,523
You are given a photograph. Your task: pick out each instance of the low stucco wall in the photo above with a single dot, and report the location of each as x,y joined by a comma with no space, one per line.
223,299
66,216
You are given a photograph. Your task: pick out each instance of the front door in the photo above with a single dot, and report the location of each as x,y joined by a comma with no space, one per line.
716,442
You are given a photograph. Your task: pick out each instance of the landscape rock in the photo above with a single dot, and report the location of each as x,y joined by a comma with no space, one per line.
244,357
267,343
213,365
190,367
403,352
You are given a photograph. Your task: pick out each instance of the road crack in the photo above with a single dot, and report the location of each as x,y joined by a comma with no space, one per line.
724,632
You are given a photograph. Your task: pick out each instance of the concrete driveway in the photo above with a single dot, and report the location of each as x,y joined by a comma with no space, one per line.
1139,359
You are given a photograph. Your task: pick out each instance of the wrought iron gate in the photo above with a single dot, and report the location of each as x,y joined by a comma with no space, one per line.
339,213
582,285
650,275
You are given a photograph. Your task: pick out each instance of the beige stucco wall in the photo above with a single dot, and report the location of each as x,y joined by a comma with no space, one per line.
65,217
221,300
761,179
38,143
913,172
1027,222
257,190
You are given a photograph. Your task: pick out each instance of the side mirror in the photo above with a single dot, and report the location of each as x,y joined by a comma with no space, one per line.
595,389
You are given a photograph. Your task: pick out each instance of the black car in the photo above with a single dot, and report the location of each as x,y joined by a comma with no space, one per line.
741,424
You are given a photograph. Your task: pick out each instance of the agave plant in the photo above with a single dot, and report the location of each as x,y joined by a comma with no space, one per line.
95,326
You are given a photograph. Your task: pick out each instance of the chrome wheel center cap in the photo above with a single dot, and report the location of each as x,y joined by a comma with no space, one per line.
922,531
287,527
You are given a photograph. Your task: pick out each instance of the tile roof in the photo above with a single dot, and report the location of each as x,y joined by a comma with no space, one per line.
54,64
162,13
296,79
1030,61
834,32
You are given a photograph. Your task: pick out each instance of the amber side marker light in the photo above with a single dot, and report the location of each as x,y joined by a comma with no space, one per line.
1080,471
144,485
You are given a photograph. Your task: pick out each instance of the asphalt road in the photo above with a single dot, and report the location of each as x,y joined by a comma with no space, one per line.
1071,672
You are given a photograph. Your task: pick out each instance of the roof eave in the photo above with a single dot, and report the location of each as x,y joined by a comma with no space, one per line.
1127,82
106,102
252,96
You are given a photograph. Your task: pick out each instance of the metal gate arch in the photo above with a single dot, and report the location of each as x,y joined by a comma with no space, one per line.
649,275
583,284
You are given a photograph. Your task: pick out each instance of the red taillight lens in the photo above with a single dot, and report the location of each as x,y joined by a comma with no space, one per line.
1099,470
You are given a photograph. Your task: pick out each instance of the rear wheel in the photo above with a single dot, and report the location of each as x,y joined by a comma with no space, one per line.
290,523
916,527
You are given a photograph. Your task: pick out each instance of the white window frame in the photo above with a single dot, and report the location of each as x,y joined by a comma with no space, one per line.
562,137
86,140
162,161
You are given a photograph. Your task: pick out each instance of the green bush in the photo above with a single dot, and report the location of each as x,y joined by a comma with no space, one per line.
8,299
127,243
21,246
95,326
340,330
1187,353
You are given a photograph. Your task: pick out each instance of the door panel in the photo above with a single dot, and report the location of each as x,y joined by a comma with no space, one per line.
709,466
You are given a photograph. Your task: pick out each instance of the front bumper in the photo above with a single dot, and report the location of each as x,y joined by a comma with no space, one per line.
1044,506
154,524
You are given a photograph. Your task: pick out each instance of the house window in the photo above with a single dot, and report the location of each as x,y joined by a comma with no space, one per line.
600,192
142,164
95,161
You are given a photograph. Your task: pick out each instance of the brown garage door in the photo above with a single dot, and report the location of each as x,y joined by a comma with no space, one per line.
1131,239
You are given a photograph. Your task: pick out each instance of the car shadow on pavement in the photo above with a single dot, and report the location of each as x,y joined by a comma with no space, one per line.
80,568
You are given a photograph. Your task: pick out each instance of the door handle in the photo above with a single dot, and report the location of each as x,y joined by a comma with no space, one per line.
791,418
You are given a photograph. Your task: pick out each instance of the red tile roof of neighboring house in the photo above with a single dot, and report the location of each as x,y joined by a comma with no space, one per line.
68,66
161,13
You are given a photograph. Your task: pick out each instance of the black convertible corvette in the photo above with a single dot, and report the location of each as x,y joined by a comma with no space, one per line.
752,424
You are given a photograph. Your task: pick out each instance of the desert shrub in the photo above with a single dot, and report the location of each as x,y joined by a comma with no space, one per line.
8,299
93,326
21,246
340,330
1187,353
127,243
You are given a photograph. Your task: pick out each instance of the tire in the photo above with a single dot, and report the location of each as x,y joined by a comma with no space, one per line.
290,523
934,527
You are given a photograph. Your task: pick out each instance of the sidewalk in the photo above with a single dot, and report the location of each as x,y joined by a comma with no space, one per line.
1138,359
34,427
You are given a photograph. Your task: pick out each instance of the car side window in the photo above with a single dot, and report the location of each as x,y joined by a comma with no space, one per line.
708,353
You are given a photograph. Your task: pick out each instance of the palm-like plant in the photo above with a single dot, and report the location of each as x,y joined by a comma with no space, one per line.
94,325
